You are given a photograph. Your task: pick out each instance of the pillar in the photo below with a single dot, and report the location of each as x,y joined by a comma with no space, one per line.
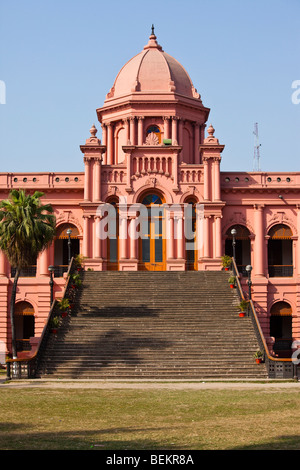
259,242
218,237
206,237
140,130
216,179
97,242
104,142
2,264
110,144
132,130
174,129
206,180
166,127
97,186
87,178
86,235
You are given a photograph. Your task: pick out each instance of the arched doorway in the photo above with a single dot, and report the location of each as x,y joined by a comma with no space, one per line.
242,247
281,328
190,244
24,325
280,251
112,241
152,241
61,247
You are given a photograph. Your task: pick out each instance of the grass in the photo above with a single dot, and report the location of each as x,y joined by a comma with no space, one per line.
82,419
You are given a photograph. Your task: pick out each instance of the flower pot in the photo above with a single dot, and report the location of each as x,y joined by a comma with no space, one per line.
226,269
242,314
54,331
231,286
64,314
258,360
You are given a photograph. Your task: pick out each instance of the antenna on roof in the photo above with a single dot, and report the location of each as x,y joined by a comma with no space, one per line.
256,163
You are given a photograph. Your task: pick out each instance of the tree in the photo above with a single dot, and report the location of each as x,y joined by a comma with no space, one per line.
26,228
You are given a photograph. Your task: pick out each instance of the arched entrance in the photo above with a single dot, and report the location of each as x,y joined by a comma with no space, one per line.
280,251
281,328
190,245
112,245
242,247
152,255
24,325
61,247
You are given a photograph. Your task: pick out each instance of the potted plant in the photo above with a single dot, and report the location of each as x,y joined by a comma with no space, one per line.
54,324
243,307
79,262
64,305
258,356
75,280
231,281
226,262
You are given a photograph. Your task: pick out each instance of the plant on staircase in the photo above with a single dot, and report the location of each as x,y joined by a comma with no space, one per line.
54,324
258,356
226,262
231,281
243,307
75,280
79,262
64,305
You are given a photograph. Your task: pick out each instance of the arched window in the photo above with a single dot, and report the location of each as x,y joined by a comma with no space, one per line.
155,130
242,247
24,324
280,251
281,328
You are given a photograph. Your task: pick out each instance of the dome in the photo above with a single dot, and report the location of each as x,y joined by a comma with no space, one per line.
153,71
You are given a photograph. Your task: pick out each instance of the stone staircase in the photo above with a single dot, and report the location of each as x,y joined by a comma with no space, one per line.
154,325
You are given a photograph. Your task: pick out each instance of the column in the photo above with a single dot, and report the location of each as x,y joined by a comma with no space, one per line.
132,230
97,242
180,132
170,236
206,180
197,142
86,179
218,237
123,235
206,240
132,130
104,142
180,236
166,127
140,130
259,242
174,129
97,187
126,127
216,179
110,144
86,235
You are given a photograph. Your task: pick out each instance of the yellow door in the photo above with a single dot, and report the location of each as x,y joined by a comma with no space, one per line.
152,243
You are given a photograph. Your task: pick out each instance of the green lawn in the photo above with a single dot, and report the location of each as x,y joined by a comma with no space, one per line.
74,419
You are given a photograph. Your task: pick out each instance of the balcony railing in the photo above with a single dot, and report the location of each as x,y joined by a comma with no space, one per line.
280,270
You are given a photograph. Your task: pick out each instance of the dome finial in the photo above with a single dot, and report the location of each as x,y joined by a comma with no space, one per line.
152,30
152,41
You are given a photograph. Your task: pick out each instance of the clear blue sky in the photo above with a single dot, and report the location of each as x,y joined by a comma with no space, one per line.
58,59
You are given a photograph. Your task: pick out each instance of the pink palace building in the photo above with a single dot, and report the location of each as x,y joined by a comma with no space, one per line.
158,150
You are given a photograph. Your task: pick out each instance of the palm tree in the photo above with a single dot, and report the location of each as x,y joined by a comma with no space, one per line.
26,228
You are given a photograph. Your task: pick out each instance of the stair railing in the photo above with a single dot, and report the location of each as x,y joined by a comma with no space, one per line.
26,368
283,368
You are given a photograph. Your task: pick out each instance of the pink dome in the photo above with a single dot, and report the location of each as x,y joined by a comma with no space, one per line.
153,70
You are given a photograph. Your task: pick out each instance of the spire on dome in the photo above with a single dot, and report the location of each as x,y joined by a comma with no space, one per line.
152,41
